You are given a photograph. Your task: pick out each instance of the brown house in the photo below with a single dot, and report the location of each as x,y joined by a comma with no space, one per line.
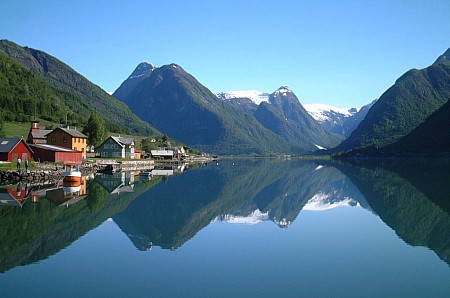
68,138
36,134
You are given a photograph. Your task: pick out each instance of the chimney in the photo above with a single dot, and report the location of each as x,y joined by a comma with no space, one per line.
35,126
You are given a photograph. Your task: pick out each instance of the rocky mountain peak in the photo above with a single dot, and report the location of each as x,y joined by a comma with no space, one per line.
283,90
444,57
143,70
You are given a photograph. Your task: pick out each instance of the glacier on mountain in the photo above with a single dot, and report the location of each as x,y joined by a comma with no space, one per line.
322,112
254,95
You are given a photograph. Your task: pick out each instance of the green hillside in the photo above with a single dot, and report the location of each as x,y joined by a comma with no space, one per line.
430,138
32,81
403,107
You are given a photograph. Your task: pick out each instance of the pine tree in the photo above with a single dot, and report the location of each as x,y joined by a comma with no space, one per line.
95,129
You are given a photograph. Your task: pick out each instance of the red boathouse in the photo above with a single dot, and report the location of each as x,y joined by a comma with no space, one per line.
13,148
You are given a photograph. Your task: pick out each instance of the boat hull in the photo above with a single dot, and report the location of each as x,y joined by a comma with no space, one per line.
72,179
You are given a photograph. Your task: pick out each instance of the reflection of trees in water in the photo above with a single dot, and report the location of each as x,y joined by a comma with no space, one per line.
97,196
171,214
34,232
410,199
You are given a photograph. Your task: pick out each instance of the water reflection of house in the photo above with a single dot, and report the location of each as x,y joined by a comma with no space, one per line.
14,195
162,172
117,183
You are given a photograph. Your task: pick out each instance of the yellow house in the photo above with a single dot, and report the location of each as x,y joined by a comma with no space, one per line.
68,138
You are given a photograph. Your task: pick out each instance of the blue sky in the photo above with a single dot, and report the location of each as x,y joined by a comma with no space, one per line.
344,53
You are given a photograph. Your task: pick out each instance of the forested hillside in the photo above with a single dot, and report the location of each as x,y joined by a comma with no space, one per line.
403,107
22,95
33,81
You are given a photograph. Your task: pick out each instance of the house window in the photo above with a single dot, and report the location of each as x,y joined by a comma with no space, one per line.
104,154
65,140
53,139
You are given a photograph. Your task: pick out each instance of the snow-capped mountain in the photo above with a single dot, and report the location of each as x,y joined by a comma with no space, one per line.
255,96
253,218
323,113
342,121
322,201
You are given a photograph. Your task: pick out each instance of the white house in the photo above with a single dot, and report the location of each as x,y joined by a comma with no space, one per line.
116,147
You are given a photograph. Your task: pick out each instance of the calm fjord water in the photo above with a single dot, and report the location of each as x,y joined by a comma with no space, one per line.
243,228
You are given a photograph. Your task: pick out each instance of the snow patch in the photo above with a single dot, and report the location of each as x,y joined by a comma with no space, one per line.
252,219
321,112
138,76
320,147
321,202
319,167
254,95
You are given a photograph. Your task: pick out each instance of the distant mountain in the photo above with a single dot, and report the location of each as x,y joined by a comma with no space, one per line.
254,96
51,88
175,102
403,107
332,119
142,71
338,120
284,115
244,104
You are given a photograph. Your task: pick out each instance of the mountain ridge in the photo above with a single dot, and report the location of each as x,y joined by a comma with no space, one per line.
403,107
83,97
175,102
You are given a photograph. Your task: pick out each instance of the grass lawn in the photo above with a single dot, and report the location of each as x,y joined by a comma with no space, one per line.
12,166
21,129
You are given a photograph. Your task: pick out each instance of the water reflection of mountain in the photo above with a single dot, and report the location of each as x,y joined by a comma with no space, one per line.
35,231
245,191
412,198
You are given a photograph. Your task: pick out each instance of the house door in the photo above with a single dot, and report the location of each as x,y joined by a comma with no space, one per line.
14,156
24,156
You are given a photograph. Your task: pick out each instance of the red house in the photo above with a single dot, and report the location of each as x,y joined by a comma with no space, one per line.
13,148
46,152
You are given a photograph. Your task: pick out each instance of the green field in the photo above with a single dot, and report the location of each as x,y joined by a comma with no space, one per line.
21,129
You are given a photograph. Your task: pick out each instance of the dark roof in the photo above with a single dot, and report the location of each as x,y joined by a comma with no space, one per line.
8,144
73,132
126,141
42,134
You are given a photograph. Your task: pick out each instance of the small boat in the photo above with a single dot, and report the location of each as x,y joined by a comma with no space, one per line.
71,173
